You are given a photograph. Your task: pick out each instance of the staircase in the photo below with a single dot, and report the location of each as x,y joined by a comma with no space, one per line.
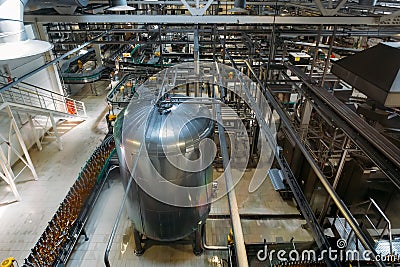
25,97
375,225
36,103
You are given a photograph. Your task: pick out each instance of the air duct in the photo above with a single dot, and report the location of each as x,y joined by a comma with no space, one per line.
239,7
14,42
119,5
66,7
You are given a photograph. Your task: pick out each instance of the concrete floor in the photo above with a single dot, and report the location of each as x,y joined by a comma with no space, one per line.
22,223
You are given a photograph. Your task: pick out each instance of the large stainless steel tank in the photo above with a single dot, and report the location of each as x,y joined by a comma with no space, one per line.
186,209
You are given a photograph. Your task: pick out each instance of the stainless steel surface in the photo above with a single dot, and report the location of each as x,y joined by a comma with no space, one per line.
14,41
150,216
239,6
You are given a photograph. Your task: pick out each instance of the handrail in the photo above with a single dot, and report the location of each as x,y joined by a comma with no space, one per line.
29,84
33,97
389,224
113,91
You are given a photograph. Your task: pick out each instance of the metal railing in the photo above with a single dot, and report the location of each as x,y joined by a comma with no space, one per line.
35,96
388,225
366,219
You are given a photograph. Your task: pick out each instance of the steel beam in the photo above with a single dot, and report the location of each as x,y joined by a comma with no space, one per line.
190,20
34,132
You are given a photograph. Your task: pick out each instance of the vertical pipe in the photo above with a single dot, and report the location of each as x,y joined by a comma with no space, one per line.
328,56
197,92
161,47
316,51
241,253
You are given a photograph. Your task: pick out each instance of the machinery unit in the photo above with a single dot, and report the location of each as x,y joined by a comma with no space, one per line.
300,58
151,215
374,72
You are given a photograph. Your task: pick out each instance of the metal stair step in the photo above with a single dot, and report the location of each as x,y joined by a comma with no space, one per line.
383,247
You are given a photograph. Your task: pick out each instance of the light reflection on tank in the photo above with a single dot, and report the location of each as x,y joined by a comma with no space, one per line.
151,217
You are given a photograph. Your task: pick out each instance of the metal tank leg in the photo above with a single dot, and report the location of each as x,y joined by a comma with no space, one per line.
139,250
197,246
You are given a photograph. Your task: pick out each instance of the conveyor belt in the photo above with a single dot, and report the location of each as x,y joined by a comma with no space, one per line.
379,149
64,229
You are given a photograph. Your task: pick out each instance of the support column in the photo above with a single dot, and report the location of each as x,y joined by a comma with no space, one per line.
139,250
22,143
97,50
54,125
34,132
315,51
52,70
197,248
305,119
8,176
197,91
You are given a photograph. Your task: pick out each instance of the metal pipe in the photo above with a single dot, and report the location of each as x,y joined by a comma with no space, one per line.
29,74
196,55
389,225
241,253
328,187
210,247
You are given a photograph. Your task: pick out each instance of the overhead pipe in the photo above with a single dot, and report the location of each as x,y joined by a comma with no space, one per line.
14,41
67,7
119,5
11,24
